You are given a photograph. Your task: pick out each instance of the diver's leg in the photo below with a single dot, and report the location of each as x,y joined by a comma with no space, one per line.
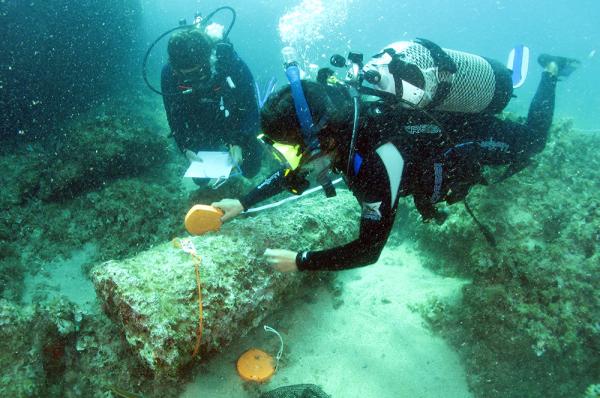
541,112
541,109
508,142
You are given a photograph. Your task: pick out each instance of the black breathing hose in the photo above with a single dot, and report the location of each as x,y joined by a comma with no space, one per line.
233,18
202,24
489,236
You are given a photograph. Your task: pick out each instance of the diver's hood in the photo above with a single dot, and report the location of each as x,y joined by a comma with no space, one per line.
198,82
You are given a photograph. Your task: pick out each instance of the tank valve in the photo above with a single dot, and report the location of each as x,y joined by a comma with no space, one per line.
372,76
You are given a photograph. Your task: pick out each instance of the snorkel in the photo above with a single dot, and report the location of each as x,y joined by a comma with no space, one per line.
321,163
199,23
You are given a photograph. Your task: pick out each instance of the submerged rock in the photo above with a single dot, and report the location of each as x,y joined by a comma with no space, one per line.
96,151
35,344
86,155
533,304
153,296
22,372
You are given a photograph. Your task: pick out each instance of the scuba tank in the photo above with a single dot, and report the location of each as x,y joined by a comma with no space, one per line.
422,75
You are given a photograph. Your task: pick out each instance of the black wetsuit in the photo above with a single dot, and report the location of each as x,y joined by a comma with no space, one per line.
408,155
225,112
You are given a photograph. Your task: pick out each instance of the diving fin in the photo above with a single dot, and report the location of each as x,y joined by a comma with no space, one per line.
518,63
566,66
263,97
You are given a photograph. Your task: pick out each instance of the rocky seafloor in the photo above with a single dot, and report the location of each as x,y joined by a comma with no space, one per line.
527,324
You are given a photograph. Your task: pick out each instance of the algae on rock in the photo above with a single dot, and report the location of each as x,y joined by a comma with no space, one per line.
534,298
93,152
153,298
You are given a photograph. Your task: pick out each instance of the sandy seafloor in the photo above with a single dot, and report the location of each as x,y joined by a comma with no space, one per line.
360,339
372,345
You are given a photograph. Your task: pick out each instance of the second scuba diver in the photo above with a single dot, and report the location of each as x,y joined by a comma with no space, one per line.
434,156
210,99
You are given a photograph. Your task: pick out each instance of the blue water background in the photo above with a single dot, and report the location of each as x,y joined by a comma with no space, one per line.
489,28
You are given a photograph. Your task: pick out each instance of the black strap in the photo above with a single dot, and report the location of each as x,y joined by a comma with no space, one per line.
489,237
445,64
440,59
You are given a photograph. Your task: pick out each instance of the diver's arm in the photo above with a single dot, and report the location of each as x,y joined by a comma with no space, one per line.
249,119
377,219
363,251
271,186
174,115
248,104
268,188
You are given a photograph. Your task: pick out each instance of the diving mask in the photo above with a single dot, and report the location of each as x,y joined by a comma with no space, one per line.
289,156
299,167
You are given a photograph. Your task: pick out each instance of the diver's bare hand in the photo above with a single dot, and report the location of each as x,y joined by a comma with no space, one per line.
281,260
231,208
235,151
192,157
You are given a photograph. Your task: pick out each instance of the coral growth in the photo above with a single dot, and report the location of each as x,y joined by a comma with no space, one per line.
160,319
97,171
52,349
533,304
89,154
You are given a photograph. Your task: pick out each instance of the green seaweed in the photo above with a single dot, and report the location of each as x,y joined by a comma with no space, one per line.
123,393
533,303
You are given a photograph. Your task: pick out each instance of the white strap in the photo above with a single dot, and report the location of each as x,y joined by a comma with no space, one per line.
394,164
289,199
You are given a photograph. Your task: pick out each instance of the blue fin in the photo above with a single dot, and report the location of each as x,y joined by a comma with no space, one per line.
518,63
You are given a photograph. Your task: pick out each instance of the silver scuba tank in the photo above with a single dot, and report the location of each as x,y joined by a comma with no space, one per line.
423,75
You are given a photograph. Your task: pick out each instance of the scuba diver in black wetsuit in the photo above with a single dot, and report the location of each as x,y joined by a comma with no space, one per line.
210,99
387,151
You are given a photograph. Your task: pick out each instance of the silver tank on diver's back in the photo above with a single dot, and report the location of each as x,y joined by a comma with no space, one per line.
425,76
